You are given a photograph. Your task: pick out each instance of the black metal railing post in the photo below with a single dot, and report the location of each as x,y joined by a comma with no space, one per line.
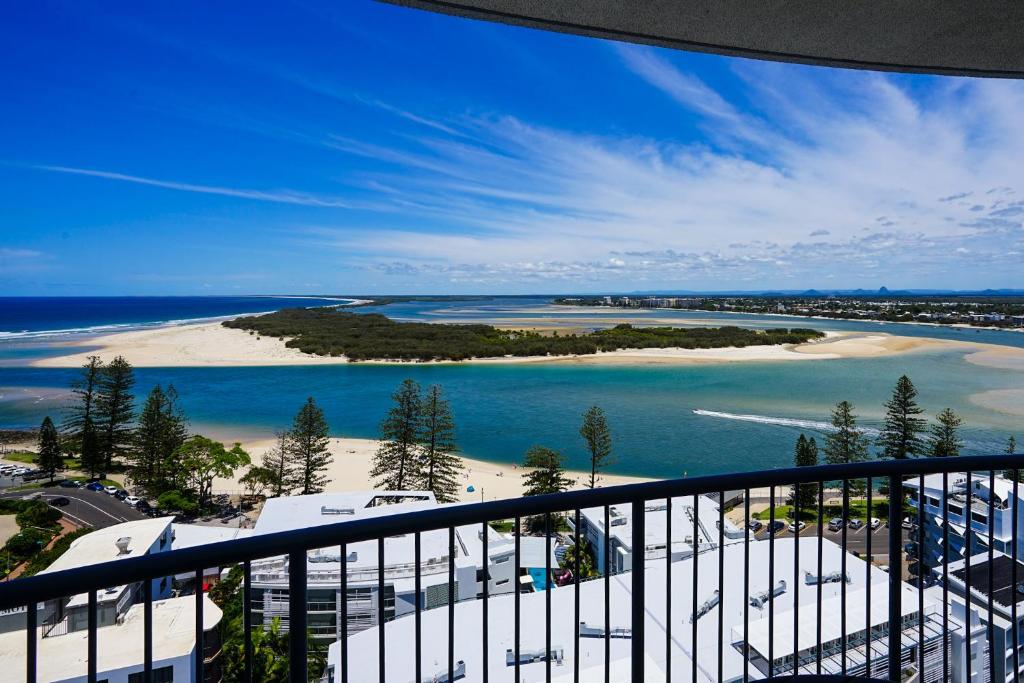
637,590
200,639
93,635
147,632
247,620
32,644
895,576
297,616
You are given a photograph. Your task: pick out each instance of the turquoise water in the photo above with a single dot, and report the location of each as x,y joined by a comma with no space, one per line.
501,410
540,579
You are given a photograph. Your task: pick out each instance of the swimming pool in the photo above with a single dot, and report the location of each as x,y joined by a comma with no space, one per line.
540,579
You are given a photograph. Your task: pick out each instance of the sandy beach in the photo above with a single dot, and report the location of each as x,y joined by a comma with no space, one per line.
213,345
352,458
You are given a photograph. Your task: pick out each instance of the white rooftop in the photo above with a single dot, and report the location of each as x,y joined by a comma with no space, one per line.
192,535
287,513
656,524
63,658
101,545
400,632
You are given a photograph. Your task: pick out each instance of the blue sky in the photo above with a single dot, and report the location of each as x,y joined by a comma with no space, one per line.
357,147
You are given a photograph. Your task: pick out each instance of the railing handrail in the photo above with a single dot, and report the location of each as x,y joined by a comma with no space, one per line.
42,587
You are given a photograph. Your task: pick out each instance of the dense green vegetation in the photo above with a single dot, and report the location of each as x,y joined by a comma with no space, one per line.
38,523
47,557
371,336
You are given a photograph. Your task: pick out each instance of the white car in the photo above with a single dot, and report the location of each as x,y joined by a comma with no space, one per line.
793,526
110,490
132,500
875,523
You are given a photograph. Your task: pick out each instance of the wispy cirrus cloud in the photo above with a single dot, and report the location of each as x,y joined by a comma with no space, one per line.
278,196
885,180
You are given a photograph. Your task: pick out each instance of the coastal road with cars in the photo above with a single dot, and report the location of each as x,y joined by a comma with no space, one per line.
84,507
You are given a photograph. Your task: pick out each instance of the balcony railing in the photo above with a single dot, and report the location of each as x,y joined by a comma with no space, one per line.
909,637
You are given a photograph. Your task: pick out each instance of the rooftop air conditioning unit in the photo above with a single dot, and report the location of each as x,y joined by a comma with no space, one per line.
327,510
122,545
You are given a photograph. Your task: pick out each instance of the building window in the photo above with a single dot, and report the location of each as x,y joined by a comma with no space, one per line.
978,517
956,509
501,560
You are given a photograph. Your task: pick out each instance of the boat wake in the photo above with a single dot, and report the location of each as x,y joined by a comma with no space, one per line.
780,421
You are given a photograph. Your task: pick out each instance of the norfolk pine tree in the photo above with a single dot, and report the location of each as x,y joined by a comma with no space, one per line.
115,408
81,413
440,466
161,430
51,459
1011,448
945,439
277,461
308,446
845,443
594,431
804,495
396,465
545,474
901,434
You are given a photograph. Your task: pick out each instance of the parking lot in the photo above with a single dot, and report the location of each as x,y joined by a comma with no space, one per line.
84,507
856,539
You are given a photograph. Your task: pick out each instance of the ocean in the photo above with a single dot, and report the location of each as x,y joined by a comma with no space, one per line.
666,420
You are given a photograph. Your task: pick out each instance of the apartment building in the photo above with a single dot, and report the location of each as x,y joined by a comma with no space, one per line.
475,561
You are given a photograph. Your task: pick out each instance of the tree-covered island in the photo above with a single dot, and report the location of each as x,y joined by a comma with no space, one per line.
371,336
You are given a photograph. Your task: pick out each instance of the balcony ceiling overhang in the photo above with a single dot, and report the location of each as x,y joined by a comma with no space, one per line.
978,38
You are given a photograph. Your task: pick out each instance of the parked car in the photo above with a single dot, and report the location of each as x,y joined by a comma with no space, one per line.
875,523
795,527
69,484
133,500
143,507
856,523
908,523
121,494
755,525
835,524
111,490
60,501
777,526
94,486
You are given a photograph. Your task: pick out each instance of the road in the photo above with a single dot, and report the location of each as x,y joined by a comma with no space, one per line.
87,508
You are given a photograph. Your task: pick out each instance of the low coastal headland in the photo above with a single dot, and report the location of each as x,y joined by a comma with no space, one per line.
286,338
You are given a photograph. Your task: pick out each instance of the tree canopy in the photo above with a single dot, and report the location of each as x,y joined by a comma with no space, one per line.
369,336
598,438
901,433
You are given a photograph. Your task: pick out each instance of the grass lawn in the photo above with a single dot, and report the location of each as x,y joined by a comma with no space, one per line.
29,458
858,509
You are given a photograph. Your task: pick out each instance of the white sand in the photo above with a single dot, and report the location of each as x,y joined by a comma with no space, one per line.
212,344
1006,401
352,458
203,344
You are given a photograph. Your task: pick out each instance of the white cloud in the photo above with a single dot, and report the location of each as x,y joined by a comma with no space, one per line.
279,196
878,175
